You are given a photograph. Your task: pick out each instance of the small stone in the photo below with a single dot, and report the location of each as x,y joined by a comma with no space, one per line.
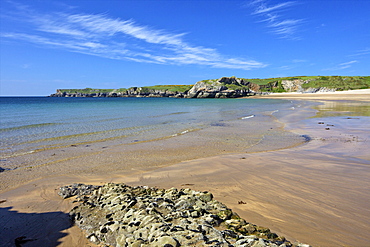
206,197
225,214
177,229
241,242
235,223
166,241
272,235
137,243
121,241
114,227
259,243
94,239
104,230
194,214
262,229
249,228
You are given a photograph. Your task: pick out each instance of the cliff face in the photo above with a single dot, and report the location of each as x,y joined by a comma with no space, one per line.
297,86
225,87
132,92
229,87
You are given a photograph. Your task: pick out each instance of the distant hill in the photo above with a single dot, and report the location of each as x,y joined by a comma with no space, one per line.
229,87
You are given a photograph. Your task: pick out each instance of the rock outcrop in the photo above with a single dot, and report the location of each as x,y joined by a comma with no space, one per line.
293,85
225,87
205,89
131,92
120,215
296,86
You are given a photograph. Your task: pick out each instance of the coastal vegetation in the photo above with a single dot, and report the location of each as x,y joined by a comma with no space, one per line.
226,87
86,90
338,83
170,88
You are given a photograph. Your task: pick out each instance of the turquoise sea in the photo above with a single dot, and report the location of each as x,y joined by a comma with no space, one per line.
29,124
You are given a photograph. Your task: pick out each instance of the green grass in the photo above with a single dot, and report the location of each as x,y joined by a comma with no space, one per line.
209,81
236,87
340,82
86,90
337,82
171,88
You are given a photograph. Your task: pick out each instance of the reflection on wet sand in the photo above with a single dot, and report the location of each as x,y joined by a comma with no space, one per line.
343,108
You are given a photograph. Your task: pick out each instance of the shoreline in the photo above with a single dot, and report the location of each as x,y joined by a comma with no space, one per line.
356,95
280,187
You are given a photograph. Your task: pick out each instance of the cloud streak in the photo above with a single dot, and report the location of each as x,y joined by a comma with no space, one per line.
275,21
361,52
342,66
262,7
100,35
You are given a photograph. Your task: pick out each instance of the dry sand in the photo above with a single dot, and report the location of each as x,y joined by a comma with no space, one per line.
316,193
358,95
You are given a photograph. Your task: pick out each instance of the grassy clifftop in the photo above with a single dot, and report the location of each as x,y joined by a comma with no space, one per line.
170,88
339,83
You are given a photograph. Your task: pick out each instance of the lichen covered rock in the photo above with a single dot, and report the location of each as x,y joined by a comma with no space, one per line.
120,215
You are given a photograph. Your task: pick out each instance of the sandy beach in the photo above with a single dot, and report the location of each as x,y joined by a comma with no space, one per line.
358,95
315,193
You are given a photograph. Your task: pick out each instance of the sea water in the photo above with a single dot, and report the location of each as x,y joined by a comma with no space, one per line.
29,124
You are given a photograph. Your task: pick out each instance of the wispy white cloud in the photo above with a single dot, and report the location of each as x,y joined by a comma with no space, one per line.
342,66
294,64
363,52
277,23
285,67
102,36
262,7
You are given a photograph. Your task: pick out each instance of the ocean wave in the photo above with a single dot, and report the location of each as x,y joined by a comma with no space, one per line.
185,132
28,126
250,116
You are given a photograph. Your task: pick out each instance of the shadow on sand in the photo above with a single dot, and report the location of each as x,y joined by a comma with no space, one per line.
32,229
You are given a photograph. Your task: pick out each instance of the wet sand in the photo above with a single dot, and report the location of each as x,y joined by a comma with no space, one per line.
316,193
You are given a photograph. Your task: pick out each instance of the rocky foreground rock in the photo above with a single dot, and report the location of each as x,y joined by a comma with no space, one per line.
120,215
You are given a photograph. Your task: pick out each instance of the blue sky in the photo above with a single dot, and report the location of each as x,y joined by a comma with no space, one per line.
48,44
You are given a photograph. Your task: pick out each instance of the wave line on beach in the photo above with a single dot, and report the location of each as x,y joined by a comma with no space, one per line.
184,132
250,116
29,126
137,129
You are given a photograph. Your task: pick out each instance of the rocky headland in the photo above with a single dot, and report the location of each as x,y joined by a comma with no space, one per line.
229,87
121,215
